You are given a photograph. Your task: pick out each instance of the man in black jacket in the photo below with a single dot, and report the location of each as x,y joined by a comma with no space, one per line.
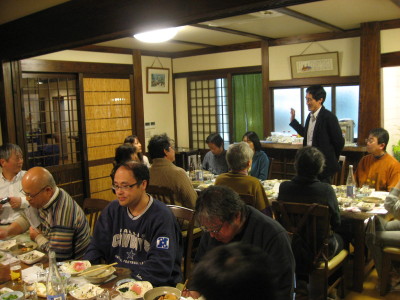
322,130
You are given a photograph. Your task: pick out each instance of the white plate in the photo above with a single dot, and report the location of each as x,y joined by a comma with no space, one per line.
75,267
86,291
5,290
6,245
31,257
144,286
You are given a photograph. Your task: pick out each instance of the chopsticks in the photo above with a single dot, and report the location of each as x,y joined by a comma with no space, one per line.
99,268
185,284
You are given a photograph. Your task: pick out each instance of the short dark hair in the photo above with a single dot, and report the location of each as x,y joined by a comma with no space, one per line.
158,144
219,202
317,91
7,149
216,139
253,137
130,139
123,153
139,171
381,134
234,271
309,161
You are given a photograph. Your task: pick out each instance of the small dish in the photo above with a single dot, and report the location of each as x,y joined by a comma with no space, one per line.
31,257
5,290
75,267
134,289
99,276
3,255
87,291
15,295
24,247
6,245
158,292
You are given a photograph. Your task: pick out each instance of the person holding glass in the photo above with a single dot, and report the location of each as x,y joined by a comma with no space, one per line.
260,163
133,139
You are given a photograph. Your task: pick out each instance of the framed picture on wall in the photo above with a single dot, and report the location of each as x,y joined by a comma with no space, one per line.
315,65
157,80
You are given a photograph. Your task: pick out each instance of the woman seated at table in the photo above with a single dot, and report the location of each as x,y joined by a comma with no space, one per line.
306,188
134,141
125,152
260,164
239,158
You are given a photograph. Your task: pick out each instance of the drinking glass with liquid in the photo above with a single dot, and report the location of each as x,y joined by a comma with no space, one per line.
15,271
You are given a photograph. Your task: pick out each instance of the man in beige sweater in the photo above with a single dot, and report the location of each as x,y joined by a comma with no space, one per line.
164,173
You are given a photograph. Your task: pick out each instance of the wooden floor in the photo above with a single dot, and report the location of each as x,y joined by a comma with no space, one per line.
370,291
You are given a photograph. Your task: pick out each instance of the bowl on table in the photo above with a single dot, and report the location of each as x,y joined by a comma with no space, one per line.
31,257
163,293
15,295
98,276
22,248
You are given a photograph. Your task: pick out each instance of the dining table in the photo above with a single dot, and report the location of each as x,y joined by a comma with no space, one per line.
354,213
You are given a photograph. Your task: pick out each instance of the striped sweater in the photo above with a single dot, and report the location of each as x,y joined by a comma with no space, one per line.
64,227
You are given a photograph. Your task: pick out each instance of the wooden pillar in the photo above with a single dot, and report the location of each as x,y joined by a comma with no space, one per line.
370,111
137,107
267,111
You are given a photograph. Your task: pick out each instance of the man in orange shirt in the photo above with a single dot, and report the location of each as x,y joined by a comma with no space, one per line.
378,169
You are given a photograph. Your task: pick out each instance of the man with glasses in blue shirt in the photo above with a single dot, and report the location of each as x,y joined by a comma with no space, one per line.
226,219
136,231
55,221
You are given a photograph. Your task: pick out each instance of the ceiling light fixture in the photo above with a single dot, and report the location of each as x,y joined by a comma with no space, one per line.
157,36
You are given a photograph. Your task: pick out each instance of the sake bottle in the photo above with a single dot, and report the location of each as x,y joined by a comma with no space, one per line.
55,284
351,183
199,169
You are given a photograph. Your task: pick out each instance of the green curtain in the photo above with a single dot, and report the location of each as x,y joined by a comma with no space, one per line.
247,105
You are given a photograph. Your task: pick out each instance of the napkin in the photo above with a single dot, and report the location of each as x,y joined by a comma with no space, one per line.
30,274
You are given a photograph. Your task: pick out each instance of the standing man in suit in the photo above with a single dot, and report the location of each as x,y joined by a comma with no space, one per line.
322,131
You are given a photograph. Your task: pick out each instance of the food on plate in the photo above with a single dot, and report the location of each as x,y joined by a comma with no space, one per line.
6,245
167,297
40,288
31,257
86,291
75,267
134,289
5,290
12,295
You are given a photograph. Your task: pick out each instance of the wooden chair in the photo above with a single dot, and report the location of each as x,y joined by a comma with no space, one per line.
389,254
185,217
271,161
248,199
161,193
304,219
339,177
92,207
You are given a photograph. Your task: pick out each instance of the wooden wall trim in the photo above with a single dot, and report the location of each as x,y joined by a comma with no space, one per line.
218,72
391,59
267,111
7,105
317,80
138,108
370,106
40,65
390,24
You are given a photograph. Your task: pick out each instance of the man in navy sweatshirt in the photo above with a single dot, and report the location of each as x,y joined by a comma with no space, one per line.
137,231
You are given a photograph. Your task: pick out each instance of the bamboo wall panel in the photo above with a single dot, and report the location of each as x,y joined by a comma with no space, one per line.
108,122
107,195
100,171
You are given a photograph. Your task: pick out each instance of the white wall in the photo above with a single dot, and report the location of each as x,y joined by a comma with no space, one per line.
182,112
390,40
158,108
88,56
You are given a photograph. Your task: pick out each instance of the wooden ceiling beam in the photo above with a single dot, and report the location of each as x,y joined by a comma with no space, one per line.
78,23
191,43
297,15
119,50
232,31
397,2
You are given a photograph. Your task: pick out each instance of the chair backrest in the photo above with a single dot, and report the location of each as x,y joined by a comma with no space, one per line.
310,221
161,193
248,199
339,177
185,218
92,207
271,161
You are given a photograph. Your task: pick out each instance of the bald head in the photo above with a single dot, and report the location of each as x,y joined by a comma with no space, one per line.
39,186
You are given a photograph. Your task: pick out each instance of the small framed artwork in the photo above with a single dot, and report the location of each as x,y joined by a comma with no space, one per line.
157,80
315,65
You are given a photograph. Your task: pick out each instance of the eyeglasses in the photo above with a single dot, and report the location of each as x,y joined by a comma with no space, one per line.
213,231
369,141
33,196
124,187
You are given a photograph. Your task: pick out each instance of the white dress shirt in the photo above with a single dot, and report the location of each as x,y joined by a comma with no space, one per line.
311,126
11,189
